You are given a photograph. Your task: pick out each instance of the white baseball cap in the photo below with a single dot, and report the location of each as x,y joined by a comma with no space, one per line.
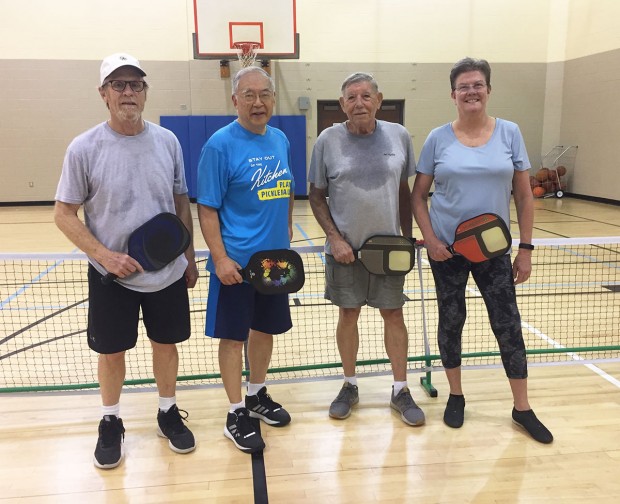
114,61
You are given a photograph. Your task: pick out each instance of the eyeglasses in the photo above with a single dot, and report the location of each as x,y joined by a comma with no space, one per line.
120,85
263,96
478,86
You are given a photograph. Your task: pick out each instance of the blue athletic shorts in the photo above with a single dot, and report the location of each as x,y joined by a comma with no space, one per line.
232,310
114,314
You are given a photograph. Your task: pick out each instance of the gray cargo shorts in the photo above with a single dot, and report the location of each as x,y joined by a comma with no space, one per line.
351,286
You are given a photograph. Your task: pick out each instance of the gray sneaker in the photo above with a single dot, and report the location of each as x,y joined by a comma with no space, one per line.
409,411
341,406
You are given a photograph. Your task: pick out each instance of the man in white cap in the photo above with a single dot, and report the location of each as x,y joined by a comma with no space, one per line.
124,172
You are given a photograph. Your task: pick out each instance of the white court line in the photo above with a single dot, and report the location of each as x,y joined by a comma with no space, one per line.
573,355
555,344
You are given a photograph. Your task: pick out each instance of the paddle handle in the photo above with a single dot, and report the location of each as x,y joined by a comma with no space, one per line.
108,279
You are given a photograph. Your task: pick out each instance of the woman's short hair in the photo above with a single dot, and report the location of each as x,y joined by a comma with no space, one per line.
470,65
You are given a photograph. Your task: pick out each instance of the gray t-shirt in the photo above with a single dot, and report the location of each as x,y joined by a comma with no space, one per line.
123,181
362,174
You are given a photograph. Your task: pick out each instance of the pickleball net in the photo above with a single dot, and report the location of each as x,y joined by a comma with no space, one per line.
570,310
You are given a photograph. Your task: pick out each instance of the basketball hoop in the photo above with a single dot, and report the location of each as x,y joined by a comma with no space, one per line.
246,52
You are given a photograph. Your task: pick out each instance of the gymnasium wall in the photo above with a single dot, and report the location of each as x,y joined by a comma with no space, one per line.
547,56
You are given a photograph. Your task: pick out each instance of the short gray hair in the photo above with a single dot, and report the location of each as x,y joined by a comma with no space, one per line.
359,77
250,69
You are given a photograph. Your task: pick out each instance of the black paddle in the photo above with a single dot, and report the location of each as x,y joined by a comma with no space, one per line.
156,243
278,271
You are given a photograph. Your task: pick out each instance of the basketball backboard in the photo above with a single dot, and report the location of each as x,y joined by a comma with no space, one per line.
221,23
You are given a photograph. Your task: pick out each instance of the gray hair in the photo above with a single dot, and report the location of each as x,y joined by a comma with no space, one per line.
250,69
470,65
359,77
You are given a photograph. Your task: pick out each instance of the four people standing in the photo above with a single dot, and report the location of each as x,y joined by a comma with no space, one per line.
358,188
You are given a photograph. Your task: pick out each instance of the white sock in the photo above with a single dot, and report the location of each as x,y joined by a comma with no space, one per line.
398,386
253,388
114,410
351,379
234,407
165,403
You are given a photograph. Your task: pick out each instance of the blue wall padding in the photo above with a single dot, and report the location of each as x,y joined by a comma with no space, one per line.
194,131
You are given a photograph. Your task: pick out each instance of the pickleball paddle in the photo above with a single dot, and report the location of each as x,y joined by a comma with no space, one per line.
387,254
277,271
481,238
156,243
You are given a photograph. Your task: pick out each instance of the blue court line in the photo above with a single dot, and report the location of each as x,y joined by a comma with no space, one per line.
307,238
27,286
23,289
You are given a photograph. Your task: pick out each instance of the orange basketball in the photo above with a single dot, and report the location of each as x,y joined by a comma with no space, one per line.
561,169
542,174
533,182
553,175
538,192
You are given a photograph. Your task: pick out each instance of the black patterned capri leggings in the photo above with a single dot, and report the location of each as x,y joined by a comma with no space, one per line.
495,283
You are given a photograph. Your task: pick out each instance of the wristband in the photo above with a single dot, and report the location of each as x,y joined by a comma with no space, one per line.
526,246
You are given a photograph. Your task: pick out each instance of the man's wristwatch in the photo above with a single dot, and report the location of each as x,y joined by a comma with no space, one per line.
526,246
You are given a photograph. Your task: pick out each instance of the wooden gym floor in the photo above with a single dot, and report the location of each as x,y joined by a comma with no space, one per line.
47,439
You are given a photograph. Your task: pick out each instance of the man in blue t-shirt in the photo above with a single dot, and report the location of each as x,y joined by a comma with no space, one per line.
245,204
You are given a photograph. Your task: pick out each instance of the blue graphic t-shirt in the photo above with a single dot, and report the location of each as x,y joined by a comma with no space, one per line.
247,178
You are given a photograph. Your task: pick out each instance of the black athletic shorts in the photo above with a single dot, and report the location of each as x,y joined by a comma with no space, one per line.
114,314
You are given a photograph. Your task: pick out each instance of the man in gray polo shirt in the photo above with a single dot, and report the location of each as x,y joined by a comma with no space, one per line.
364,164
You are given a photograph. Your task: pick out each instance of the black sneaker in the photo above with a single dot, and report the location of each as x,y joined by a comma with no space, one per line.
454,414
239,430
264,407
171,426
109,449
533,426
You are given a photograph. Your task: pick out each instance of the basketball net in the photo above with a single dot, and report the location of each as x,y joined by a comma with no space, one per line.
246,52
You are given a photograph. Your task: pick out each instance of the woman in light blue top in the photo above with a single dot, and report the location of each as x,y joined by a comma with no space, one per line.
475,163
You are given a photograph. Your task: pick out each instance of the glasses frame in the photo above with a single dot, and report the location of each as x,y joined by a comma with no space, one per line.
464,88
142,85
249,97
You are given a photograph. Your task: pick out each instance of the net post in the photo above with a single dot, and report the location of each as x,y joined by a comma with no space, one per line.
425,381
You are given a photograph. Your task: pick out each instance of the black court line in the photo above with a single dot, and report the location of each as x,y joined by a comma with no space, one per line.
259,477
41,320
40,343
